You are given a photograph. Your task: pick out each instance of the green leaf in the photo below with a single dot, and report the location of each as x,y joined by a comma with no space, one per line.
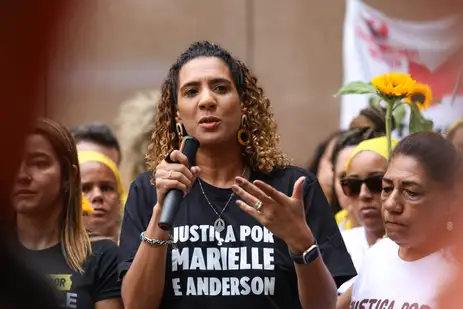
357,87
417,122
399,113
428,124
374,101
414,123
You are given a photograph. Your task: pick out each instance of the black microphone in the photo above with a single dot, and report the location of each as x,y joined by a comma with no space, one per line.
174,197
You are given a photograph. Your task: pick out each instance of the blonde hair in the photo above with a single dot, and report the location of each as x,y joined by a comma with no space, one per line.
75,241
262,153
135,126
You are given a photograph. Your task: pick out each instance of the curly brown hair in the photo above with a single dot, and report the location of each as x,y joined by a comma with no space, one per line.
262,153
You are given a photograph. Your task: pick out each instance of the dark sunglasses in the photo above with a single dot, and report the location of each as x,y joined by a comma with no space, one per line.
352,186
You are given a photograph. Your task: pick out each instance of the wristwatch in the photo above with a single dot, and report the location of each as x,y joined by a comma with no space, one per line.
307,257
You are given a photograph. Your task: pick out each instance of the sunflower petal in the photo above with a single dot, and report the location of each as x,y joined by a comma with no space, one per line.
86,208
393,84
421,96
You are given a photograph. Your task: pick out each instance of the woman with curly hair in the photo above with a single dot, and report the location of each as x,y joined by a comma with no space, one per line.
251,230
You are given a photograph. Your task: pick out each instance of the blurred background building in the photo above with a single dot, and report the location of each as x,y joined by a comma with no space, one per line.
110,50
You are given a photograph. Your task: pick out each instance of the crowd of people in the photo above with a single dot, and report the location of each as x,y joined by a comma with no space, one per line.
353,230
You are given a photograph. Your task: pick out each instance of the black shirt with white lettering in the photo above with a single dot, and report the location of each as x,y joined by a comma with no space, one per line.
244,266
75,290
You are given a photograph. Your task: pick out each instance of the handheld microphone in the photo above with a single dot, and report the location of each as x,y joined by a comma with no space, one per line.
174,197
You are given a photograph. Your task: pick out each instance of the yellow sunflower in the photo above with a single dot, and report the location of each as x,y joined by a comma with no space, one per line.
420,95
394,84
86,208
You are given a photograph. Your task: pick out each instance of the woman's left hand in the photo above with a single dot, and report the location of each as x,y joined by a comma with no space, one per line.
284,216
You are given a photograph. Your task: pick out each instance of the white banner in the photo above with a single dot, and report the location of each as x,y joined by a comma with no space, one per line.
432,52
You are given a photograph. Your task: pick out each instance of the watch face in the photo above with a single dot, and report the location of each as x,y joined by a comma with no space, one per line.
307,257
310,255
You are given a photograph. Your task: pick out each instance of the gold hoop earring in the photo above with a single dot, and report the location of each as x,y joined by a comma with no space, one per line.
180,132
243,135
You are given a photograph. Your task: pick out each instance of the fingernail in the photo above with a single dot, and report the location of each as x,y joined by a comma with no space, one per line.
235,188
239,181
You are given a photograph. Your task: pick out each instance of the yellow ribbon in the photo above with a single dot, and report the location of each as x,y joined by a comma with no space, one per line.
93,156
377,145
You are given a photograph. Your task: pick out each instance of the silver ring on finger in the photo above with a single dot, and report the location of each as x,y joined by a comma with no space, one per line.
170,174
258,205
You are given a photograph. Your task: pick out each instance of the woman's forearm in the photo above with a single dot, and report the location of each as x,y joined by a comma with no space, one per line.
143,284
344,299
316,286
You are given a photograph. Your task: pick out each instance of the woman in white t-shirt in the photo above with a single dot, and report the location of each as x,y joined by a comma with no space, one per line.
362,185
408,269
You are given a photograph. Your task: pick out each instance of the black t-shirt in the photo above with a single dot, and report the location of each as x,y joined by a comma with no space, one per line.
75,290
252,268
21,287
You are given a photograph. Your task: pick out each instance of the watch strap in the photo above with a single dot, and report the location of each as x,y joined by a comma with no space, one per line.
307,257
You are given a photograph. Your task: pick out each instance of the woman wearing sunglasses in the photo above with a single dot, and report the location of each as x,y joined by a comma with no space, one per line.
346,217
362,186
415,263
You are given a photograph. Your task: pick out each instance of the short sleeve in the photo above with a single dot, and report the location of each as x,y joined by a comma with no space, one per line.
137,213
323,225
106,283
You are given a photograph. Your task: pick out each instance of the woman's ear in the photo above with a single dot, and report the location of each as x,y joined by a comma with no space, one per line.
177,116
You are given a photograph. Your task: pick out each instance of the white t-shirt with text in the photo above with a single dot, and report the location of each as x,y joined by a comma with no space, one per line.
387,281
357,246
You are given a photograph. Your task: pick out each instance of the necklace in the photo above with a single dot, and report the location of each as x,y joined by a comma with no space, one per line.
219,223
